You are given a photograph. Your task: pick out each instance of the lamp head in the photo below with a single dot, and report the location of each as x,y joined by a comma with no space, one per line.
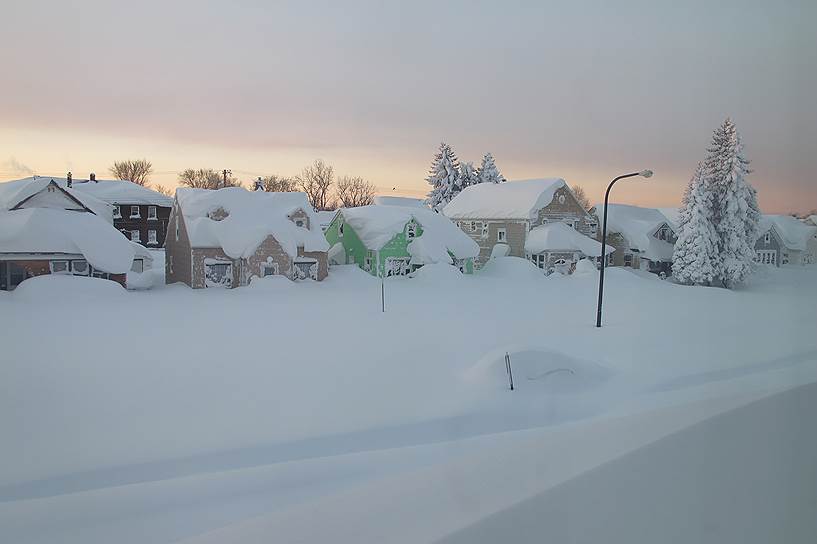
645,173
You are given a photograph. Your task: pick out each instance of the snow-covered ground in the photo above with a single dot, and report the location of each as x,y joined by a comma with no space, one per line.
299,412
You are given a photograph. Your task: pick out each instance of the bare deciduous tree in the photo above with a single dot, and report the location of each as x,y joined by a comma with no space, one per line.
279,184
316,181
162,189
206,178
355,191
137,171
581,196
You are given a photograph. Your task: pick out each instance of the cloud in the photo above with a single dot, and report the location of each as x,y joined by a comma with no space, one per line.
14,167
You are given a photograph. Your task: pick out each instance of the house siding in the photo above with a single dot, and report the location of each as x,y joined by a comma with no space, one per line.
178,255
567,209
41,267
125,224
775,244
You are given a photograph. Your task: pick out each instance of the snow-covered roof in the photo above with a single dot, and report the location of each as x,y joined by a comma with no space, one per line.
510,200
672,215
558,236
400,201
638,225
251,217
794,233
14,192
325,217
812,219
113,191
377,225
47,230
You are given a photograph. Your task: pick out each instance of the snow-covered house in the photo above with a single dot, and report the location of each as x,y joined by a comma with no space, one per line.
49,229
505,213
785,240
557,247
395,240
325,218
644,238
225,237
139,213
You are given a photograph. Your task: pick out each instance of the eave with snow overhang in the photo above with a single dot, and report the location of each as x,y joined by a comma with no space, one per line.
785,240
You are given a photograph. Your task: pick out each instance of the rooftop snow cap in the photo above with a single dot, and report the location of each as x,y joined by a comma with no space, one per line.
12,193
246,219
560,237
112,191
377,225
794,233
510,200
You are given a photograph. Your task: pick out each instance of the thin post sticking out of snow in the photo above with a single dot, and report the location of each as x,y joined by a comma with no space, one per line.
382,284
508,369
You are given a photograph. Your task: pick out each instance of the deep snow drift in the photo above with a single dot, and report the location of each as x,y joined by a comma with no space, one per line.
154,416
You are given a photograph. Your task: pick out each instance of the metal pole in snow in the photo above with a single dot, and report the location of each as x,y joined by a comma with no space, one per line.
382,286
508,368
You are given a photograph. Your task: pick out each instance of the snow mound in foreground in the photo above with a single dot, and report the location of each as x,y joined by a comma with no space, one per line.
275,282
437,273
57,287
511,268
539,369
585,267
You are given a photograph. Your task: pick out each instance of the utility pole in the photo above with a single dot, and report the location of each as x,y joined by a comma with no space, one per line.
225,172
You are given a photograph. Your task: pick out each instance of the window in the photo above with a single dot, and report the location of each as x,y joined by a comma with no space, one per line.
628,259
59,267
151,212
485,229
177,228
340,229
170,263
411,231
500,235
152,237
473,226
767,238
80,268
134,212
134,236
594,229
117,212
138,266
299,222
269,269
218,274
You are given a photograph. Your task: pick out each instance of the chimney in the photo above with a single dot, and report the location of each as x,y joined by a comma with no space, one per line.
70,180
259,185
92,177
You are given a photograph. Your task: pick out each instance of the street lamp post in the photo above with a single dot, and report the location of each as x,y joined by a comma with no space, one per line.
643,173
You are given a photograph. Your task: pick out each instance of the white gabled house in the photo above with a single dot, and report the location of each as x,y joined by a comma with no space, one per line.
785,240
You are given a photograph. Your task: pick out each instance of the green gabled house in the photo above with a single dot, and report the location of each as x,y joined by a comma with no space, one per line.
396,240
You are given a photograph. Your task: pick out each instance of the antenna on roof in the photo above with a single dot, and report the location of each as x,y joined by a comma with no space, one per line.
69,179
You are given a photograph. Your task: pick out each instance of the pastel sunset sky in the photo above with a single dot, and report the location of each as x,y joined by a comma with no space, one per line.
579,90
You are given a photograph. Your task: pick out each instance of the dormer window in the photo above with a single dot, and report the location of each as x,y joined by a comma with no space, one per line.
134,212
767,238
152,213
218,214
299,223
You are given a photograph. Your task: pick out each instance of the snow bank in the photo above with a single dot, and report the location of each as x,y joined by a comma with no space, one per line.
275,282
46,230
378,225
560,237
585,267
509,200
55,289
437,274
511,268
251,217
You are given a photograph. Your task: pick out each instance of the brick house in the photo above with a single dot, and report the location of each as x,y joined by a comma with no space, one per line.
503,214
224,238
49,229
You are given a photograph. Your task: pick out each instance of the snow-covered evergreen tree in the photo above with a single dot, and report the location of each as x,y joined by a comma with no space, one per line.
696,259
735,211
468,174
444,177
488,172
